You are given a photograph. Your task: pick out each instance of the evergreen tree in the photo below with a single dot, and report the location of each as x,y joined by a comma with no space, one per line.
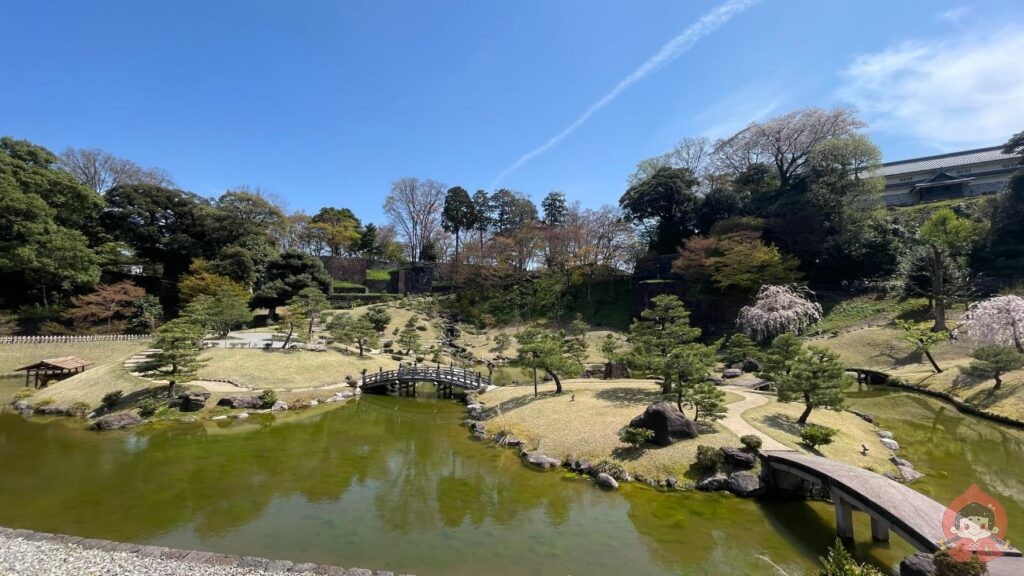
356,331
662,328
179,343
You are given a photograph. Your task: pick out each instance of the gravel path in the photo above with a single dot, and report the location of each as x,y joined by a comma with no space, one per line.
735,423
25,553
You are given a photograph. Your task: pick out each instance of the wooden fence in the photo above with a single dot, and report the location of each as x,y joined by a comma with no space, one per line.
69,339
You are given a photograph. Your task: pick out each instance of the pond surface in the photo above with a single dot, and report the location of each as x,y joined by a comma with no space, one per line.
396,484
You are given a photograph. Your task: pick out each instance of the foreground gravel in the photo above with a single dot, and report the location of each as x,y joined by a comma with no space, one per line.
24,553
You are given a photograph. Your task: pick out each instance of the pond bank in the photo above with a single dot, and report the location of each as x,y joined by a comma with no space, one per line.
28,553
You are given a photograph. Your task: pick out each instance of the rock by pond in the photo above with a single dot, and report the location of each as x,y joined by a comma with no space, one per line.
605,481
191,401
713,483
117,421
542,461
738,458
744,484
667,423
240,402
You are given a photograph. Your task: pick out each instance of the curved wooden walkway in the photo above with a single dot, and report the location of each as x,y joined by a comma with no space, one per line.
441,375
892,506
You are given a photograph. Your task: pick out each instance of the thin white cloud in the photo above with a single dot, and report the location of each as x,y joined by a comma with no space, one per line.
954,14
961,93
675,47
729,116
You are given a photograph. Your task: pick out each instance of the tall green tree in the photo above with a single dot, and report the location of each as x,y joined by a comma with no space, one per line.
922,339
221,311
458,215
409,337
659,331
179,343
356,331
943,243
288,275
483,207
547,351
812,375
555,208
665,206
691,364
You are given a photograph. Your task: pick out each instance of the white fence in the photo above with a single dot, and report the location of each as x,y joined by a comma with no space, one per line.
68,339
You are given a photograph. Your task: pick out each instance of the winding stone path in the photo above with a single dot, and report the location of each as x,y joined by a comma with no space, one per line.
735,423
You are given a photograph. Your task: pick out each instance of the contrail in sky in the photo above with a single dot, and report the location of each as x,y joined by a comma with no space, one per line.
669,52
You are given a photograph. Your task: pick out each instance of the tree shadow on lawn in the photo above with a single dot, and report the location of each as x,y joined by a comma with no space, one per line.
525,400
622,397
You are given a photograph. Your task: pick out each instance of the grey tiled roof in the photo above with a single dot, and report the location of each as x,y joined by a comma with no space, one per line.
991,154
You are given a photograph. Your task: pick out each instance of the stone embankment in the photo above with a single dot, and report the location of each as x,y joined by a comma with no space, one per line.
27,553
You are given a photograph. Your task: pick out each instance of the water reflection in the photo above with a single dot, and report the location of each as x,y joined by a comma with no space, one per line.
395,483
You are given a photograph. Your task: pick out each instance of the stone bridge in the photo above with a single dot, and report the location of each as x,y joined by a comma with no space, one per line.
891,506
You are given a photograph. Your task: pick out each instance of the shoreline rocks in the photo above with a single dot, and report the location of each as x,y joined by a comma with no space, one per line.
240,402
117,421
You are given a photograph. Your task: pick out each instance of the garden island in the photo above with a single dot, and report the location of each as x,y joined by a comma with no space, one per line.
774,354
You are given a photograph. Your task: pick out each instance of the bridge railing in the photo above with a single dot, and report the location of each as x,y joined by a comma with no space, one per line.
448,375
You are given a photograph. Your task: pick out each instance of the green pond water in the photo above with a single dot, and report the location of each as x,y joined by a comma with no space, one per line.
389,483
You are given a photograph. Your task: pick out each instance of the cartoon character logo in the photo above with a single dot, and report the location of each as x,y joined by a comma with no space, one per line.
975,524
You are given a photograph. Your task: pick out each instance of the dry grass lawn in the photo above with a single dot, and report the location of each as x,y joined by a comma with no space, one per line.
287,369
90,386
589,426
481,342
881,349
105,375
778,420
14,356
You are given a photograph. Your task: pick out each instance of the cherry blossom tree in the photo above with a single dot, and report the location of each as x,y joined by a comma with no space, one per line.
778,310
998,320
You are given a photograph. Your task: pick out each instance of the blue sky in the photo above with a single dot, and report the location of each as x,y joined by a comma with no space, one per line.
327,102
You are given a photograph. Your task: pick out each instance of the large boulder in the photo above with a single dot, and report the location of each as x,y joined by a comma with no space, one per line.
605,481
919,564
732,373
279,406
241,402
616,371
117,421
744,484
714,483
192,401
53,410
667,423
542,461
737,458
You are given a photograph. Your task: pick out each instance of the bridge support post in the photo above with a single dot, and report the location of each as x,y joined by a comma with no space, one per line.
879,529
844,516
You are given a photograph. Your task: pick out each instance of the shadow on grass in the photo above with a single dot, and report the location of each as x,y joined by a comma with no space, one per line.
627,453
526,400
782,423
625,397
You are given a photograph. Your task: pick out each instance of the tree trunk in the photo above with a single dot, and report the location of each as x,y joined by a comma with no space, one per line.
288,338
807,410
666,385
534,381
999,381
170,389
928,355
558,382
360,348
939,289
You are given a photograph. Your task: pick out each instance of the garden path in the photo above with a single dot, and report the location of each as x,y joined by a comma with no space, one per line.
735,423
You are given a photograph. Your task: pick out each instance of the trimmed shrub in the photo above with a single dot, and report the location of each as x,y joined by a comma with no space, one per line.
814,435
267,398
636,437
751,442
148,407
709,459
947,565
110,399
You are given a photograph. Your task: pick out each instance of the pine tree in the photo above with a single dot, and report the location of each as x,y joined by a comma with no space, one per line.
179,343
661,328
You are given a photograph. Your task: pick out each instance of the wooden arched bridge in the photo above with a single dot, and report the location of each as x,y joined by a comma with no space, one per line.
445,378
891,506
